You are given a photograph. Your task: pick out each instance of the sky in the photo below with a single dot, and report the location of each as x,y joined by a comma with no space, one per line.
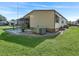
14,10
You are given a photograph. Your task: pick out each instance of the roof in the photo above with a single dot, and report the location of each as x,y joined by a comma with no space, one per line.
60,15
37,10
46,10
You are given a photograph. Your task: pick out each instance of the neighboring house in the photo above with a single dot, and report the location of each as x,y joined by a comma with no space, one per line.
21,21
46,20
12,22
3,23
75,23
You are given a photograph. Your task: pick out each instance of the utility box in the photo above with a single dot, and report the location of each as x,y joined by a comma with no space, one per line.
39,31
42,31
35,30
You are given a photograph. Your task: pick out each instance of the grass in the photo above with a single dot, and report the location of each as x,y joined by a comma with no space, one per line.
62,45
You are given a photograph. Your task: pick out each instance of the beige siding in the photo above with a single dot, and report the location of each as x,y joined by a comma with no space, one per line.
42,19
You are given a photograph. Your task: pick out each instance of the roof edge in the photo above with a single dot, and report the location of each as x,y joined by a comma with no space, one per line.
46,10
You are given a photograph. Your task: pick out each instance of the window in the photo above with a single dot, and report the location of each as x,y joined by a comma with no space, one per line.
57,19
62,21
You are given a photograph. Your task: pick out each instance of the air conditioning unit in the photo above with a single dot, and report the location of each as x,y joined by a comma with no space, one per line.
42,30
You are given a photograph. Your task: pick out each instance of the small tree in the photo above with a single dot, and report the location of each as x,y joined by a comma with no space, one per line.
2,18
69,23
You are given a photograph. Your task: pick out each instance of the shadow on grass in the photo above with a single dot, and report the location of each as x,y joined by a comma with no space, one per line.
24,40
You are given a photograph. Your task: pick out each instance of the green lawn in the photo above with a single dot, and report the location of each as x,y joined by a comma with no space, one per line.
66,44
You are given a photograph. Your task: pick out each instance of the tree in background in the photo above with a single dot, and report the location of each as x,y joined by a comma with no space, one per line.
69,23
2,18
12,19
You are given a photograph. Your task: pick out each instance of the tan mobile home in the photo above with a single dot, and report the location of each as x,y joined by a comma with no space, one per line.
50,20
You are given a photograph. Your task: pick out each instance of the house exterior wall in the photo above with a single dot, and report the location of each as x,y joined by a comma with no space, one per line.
42,19
60,24
3,22
45,19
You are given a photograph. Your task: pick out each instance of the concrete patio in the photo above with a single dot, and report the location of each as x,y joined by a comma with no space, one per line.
28,32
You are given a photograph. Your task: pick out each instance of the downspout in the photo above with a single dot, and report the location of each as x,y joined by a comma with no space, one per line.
54,20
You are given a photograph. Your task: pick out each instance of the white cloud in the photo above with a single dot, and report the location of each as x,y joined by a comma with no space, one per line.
37,5
28,5
66,6
58,6
53,6
7,12
14,6
22,5
72,18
